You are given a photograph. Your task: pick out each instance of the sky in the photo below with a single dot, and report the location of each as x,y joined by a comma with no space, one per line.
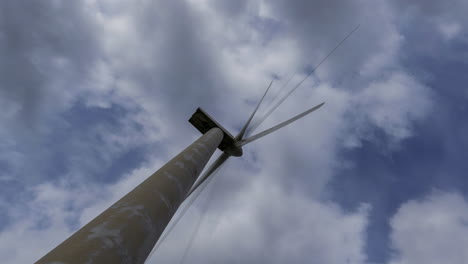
95,96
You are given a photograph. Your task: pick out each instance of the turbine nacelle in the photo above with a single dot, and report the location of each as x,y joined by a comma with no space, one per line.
234,150
204,122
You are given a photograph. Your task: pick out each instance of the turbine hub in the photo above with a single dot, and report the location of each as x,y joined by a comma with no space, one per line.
234,150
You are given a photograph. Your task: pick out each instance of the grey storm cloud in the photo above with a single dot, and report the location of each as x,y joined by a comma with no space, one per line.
433,8
317,26
47,50
41,43
181,70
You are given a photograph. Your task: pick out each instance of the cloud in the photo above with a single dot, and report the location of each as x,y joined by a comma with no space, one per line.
431,230
434,29
394,103
46,47
450,30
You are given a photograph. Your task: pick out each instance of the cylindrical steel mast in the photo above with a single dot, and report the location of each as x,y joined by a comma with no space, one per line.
128,230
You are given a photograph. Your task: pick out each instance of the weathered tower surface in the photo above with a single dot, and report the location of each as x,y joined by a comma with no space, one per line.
128,230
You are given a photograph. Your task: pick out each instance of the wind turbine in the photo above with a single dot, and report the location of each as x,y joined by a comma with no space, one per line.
127,231
233,147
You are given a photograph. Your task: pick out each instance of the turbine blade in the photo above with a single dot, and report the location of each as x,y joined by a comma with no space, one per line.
271,110
246,125
276,95
203,211
273,129
189,199
218,162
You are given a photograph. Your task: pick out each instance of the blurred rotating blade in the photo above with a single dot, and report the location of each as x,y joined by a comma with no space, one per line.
191,198
242,132
271,110
218,162
273,129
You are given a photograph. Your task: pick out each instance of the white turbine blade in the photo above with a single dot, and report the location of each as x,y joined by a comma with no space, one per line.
173,223
201,219
213,167
246,125
189,199
273,129
269,105
271,110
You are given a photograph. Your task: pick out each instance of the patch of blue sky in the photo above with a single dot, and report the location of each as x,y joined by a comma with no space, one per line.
74,146
434,158
269,27
84,136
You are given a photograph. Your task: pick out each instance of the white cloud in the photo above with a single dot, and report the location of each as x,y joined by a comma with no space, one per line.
450,30
431,230
394,103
